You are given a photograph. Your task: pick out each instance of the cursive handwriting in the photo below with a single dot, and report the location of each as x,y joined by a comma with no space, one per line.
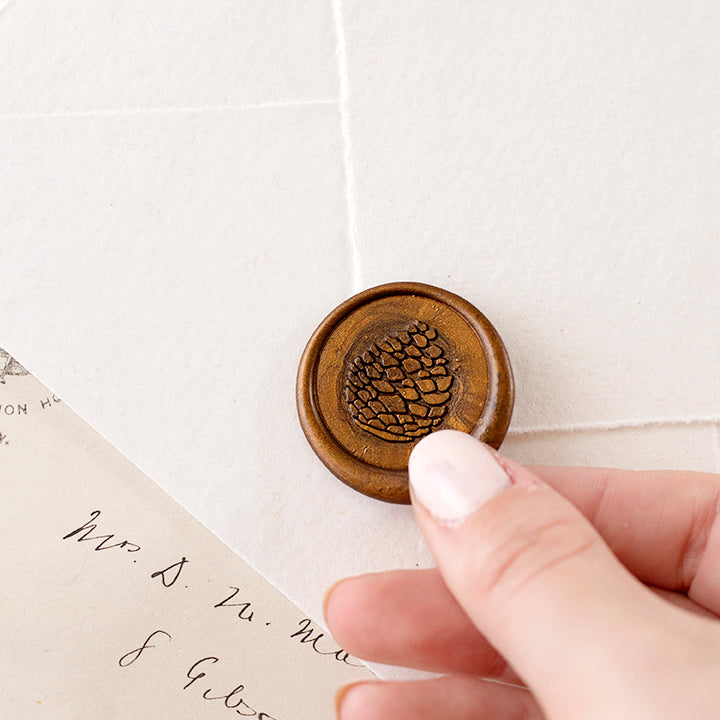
130,657
232,700
245,612
310,635
235,698
170,574
90,526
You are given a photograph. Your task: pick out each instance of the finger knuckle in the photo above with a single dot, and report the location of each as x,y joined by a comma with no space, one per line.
528,557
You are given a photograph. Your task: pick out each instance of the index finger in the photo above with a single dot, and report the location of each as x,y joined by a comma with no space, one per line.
662,525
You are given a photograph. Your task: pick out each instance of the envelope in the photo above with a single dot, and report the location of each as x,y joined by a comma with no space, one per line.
118,604
174,229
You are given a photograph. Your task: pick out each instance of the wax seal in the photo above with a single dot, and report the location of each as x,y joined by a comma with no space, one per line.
391,365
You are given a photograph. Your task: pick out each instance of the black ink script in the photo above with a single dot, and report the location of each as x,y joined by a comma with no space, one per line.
245,612
313,637
90,526
170,574
130,657
232,700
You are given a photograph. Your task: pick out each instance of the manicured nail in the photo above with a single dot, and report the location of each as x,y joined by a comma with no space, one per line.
452,474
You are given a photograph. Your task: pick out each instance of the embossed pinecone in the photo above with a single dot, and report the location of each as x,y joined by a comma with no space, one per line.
398,389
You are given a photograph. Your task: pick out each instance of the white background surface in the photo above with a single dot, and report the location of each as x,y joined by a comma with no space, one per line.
185,191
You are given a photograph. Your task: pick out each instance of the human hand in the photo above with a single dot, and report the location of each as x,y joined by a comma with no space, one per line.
597,591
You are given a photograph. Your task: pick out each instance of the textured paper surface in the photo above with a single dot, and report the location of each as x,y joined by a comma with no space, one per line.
84,57
117,604
559,165
164,260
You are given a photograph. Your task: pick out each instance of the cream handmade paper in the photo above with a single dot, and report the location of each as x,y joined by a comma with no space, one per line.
118,604
185,194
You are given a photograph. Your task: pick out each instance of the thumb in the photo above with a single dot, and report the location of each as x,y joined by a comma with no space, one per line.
530,571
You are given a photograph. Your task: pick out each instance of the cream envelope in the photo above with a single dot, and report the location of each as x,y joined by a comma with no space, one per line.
117,604
165,259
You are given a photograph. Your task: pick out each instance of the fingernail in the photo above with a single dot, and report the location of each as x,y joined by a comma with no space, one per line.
452,474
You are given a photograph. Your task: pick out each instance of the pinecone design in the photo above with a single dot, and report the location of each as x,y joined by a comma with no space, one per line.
398,389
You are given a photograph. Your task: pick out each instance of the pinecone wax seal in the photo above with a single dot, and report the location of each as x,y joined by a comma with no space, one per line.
399,388
391,365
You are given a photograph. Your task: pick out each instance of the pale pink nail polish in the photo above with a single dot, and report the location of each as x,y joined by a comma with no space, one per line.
452,474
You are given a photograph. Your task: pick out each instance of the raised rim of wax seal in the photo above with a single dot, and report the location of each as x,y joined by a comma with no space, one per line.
390,365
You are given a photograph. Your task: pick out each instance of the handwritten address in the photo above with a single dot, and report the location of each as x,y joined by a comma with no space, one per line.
199,674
